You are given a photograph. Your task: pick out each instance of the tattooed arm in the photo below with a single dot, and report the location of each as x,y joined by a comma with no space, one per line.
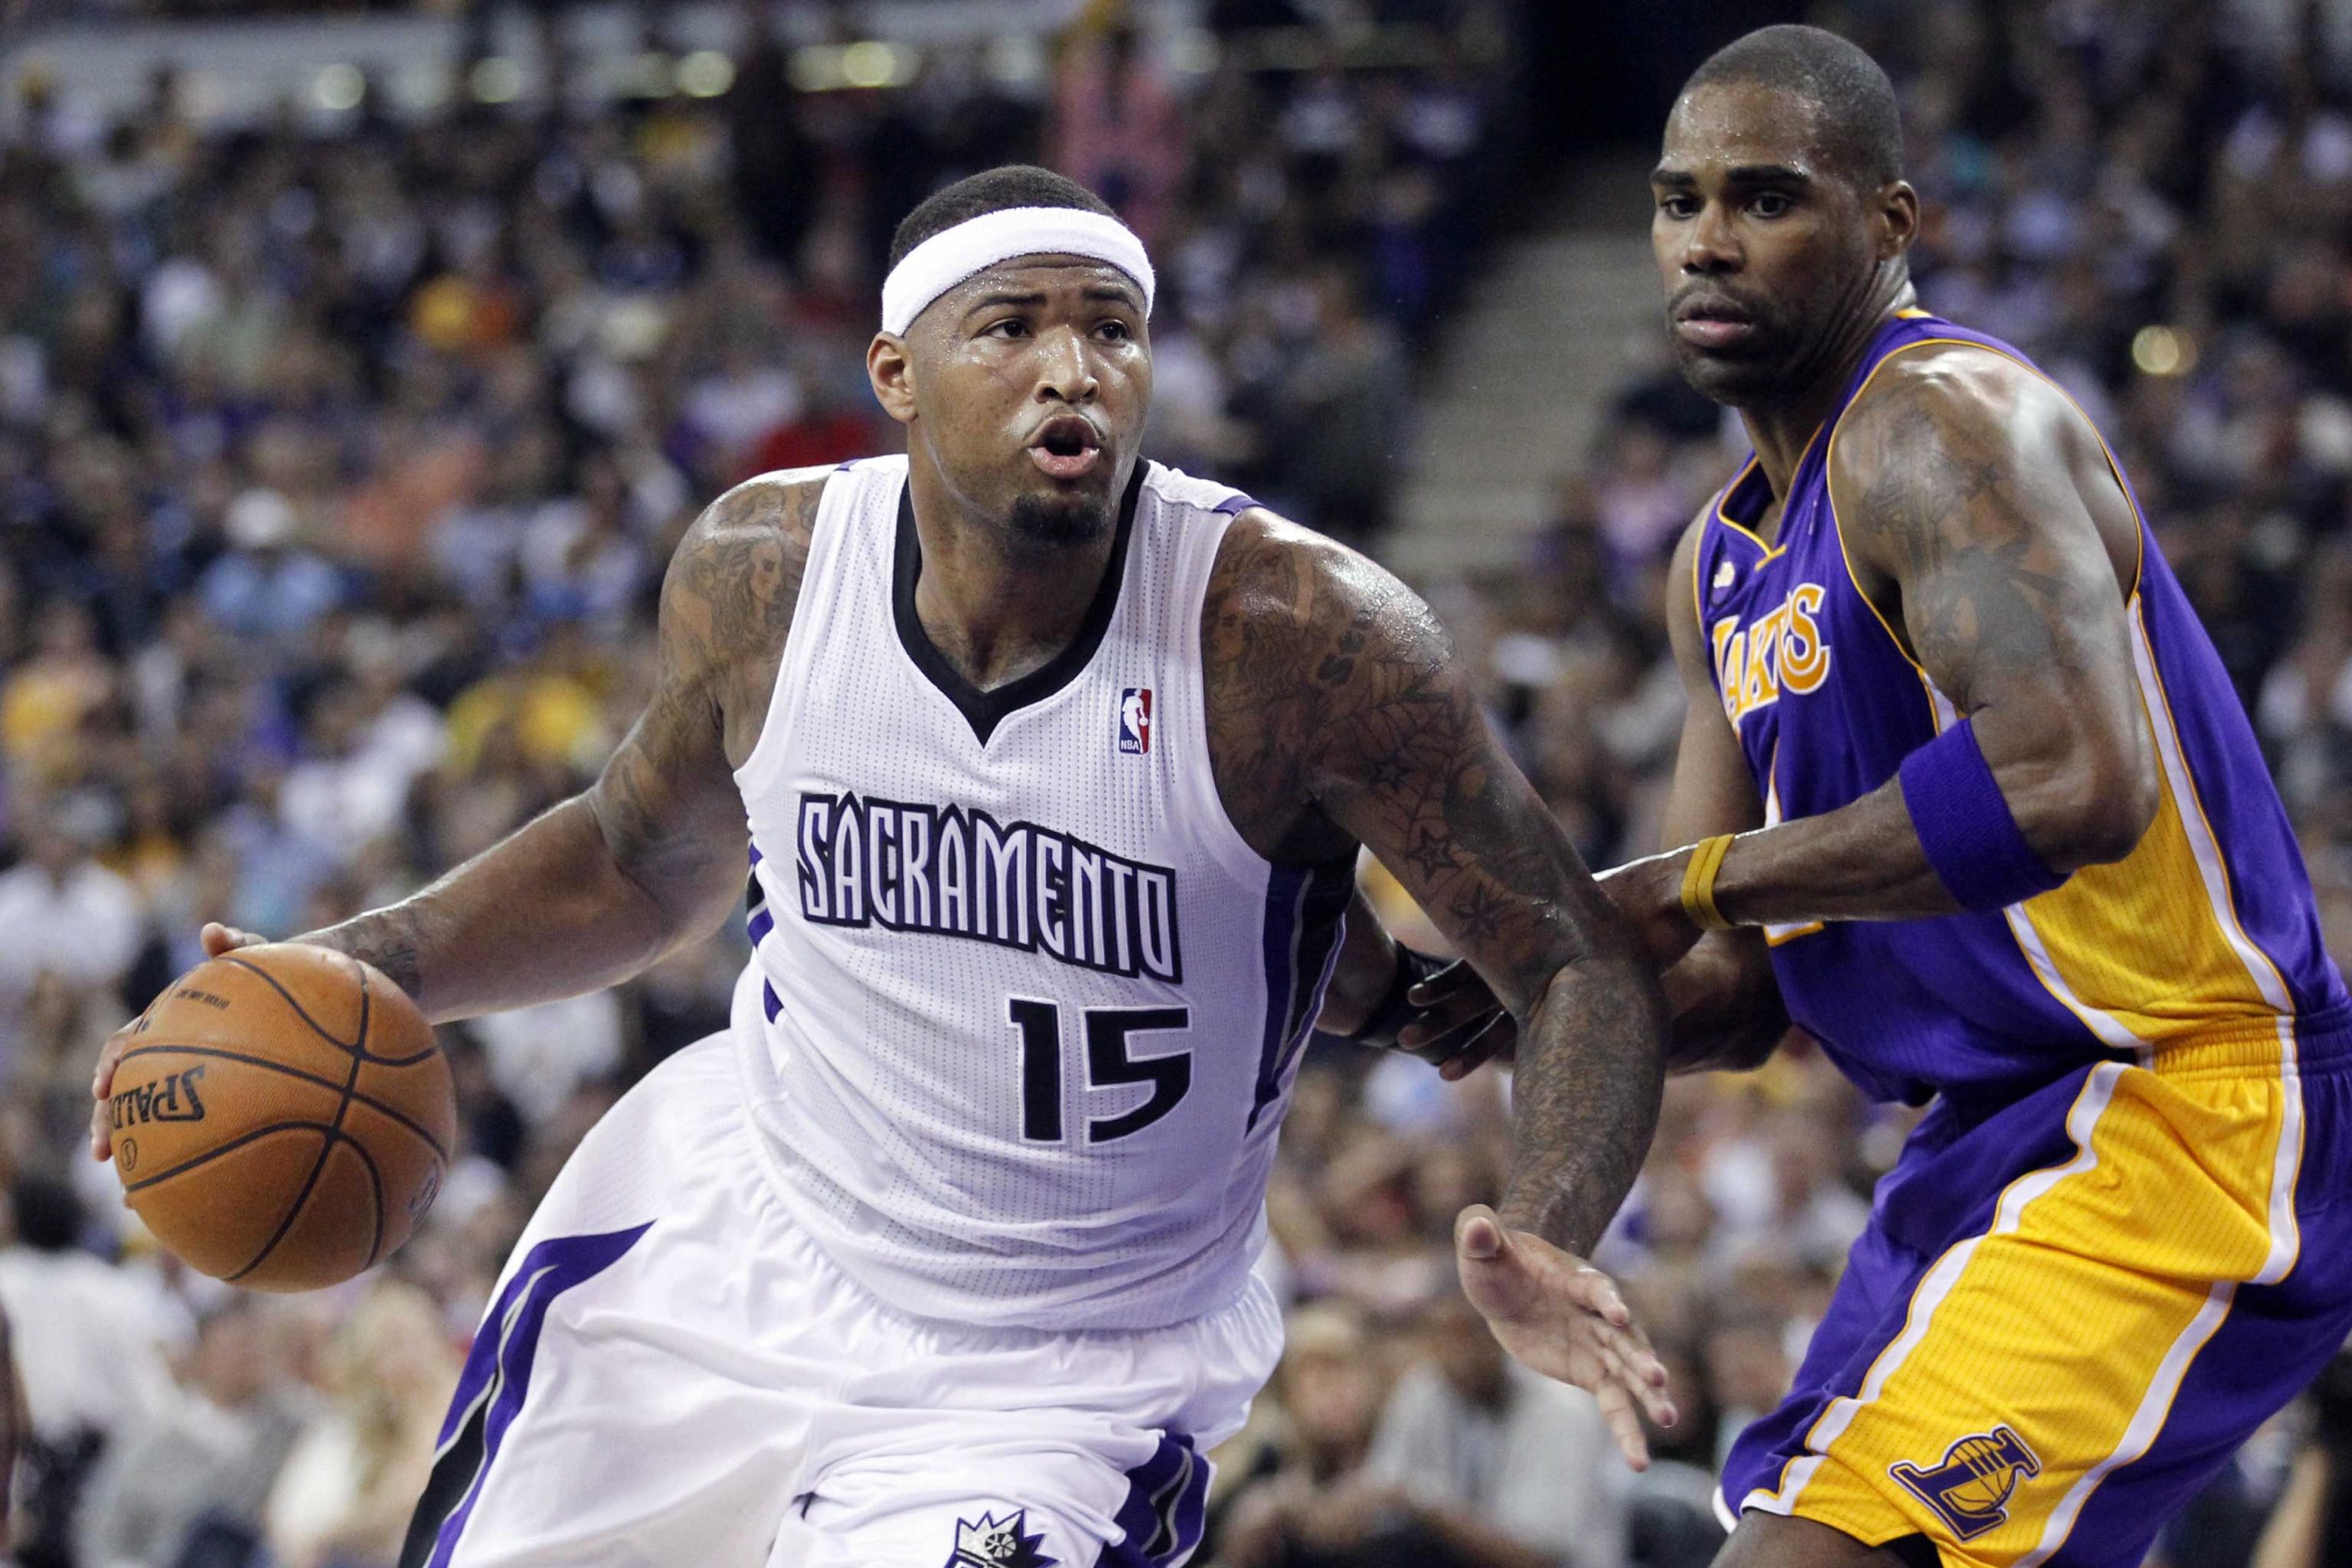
1339,715
1980,517
651,855
1722,997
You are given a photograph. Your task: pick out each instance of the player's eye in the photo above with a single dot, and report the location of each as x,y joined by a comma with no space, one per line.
1678,207
1011,327
1771,203
1113,331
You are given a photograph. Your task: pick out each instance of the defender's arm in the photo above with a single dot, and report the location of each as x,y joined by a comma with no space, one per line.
1726,1002
651,855
1959,489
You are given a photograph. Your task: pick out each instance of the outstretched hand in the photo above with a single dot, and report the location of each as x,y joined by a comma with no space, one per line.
217,939
1559,1316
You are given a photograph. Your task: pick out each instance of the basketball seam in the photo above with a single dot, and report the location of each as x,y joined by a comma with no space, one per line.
380,1106
334,1133
375,1184
231,1147
355,1048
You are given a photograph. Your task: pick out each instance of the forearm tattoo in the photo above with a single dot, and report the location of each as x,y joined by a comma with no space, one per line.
1339,715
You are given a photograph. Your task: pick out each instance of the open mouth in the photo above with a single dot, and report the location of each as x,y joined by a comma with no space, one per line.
1067,448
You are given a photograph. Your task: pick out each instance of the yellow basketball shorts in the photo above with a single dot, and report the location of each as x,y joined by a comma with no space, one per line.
2068,1313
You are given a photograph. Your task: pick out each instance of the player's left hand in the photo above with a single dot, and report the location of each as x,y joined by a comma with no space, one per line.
1649,893
1559,1316
216,939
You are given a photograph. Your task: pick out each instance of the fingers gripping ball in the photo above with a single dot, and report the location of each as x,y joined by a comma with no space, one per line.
281,1117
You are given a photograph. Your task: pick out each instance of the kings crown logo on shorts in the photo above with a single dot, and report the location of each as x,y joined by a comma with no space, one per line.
1135,720
1970,1489
999,1543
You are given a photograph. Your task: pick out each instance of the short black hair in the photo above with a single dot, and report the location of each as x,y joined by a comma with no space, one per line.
1860,122
47,1210
989,191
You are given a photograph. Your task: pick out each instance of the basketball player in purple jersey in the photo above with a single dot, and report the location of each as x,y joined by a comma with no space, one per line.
1963,791
1055,762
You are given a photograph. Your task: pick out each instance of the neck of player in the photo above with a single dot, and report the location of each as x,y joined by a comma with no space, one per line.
997,606
1783,425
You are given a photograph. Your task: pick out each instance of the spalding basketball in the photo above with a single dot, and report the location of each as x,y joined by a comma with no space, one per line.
281,1117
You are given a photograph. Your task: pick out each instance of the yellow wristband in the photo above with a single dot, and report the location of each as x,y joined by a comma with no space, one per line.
1698,883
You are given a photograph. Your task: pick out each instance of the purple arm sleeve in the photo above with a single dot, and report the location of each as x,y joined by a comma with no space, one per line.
1965,825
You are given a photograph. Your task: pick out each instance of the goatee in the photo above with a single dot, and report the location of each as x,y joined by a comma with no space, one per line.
1058,522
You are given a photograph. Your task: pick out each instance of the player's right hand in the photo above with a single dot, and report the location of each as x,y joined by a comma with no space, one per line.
1559,1316
216,939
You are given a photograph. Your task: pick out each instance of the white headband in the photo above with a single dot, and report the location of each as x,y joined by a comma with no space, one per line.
950,256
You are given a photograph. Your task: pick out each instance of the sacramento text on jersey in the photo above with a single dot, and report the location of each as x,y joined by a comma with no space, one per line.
950,871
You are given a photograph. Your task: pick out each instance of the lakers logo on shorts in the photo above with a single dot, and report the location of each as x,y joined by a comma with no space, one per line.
999,1543
1970,1489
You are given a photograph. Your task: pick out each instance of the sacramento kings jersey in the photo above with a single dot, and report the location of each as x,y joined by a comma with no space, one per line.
2206,932
1023,1007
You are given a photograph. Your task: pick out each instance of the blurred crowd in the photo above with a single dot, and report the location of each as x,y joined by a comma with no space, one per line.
338,469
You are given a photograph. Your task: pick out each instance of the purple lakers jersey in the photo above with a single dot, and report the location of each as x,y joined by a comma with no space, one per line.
2207,931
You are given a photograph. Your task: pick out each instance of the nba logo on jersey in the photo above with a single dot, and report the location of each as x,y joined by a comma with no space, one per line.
1135,720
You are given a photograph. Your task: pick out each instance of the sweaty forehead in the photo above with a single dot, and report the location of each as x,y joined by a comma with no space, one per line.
1044,274
1733,123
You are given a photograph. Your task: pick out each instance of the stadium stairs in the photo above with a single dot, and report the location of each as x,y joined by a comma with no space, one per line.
1523,374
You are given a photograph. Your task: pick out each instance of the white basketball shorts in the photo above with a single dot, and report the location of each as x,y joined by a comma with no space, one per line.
671,1374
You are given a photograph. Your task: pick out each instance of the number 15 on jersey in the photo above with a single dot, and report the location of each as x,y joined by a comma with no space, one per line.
1108,1031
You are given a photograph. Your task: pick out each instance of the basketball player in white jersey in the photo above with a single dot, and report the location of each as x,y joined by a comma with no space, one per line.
1055,762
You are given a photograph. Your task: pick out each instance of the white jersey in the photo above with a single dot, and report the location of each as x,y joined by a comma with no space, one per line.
1023,1007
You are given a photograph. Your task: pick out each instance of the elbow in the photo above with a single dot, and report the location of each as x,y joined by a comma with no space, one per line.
2103,812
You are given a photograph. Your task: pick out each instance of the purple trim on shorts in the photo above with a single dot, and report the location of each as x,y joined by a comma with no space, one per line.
496,1378
1943,1190
759,920
1235,504
2272,1341
1166,1509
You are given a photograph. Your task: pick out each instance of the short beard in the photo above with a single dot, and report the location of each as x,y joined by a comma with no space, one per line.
1733,385
1046,523
1752,380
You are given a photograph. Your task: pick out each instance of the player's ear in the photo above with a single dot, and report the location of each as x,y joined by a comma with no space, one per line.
890,367
1896,218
